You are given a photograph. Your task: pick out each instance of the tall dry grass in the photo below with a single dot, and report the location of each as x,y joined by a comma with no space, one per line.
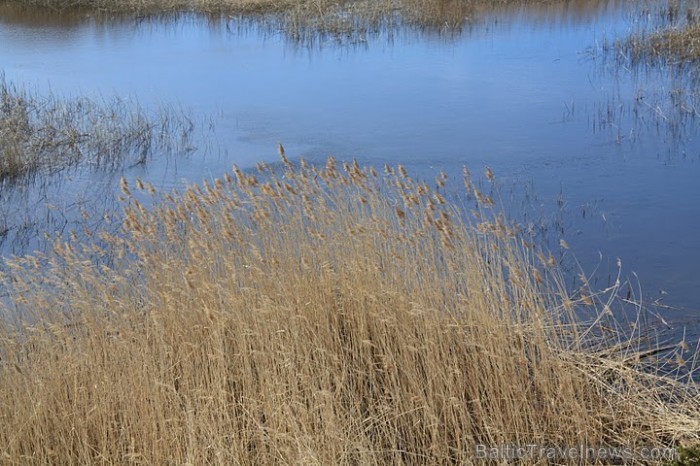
329,315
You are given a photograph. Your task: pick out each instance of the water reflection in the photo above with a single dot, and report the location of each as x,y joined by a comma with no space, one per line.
447,18
560,13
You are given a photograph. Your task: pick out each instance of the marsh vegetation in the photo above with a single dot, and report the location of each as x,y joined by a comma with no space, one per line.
661,54
674,45
324,315
672,38
307,20
332,313
45,134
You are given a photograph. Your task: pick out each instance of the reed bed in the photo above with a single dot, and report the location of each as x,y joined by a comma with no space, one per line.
256,6
303,20
676,45
44,134
674,36
316,315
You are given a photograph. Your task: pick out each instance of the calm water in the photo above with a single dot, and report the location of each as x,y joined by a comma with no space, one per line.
529,94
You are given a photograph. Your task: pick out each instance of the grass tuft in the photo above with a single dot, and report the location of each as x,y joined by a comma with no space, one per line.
676,44
674,40
44,134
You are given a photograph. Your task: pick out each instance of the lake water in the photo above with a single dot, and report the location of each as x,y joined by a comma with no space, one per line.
606,154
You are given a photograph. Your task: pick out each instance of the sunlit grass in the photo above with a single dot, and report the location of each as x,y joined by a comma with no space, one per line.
331,315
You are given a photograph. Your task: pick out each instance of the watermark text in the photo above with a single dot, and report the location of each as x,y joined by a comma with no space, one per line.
534,451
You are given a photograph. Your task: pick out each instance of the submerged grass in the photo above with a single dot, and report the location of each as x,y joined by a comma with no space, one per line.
660,60
311,315
47,133
675,39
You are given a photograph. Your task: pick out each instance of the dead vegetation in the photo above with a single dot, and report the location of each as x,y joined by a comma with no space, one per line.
44,134
674,35
304,19
676,45
317,315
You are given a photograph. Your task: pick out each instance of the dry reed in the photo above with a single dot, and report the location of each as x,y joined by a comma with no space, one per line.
305,20
674,39
674,45
320,316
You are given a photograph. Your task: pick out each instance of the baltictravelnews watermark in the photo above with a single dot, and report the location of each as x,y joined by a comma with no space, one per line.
534,451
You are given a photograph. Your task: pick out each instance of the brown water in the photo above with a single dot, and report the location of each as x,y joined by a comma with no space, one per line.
597,152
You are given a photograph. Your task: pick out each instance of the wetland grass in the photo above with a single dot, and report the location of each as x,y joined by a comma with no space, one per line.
316,315
662,57
45,134
675,45
305,20
675,39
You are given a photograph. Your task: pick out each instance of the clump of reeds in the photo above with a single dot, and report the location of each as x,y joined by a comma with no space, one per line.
48,133
675,39
332,315
676,44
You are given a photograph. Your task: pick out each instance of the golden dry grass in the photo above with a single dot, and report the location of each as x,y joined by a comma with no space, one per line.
313,315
